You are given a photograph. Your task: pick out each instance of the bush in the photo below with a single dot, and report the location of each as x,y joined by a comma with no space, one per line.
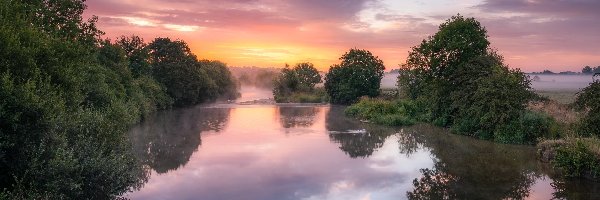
391,113
359,74
526,129
298,85
588,100
576,160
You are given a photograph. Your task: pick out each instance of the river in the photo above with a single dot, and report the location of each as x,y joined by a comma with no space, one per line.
296,151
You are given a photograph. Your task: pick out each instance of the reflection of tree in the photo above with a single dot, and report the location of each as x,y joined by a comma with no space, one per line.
472,169
297,116
433,184
167,140
575,189
355,144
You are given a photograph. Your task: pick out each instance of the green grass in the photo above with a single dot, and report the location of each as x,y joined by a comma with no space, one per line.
386,112
560,96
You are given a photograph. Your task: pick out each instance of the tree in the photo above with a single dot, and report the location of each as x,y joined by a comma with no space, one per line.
308,76
227,86
430,65
587,70
286,83
176,67
588,100
358,74
464,83
137,53
300,79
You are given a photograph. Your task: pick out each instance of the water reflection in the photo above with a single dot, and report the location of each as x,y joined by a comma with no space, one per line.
357,140
473,169
297,116
330,157
166,140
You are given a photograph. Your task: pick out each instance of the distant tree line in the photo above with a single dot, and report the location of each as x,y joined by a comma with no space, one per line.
359,74
585,70
67,98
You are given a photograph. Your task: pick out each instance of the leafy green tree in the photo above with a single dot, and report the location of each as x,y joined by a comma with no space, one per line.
286,83
300,79
431,64
358,74
465,84
137,54
308,76
227,87
64,106
177,68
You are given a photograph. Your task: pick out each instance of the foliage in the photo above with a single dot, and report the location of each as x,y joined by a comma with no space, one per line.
358,74
227,87
576,160
590,70
187,80
66,100
463,83
588,100
391,113
298,85
137,54
587,70
526,129
308,76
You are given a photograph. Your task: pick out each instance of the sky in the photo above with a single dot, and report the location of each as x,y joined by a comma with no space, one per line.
532,35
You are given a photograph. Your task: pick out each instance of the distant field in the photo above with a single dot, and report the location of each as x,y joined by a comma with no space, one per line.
561,96
561,88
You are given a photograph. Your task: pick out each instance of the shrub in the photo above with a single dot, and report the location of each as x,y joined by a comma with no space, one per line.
298,85
576,160
526,129
588,100
391,113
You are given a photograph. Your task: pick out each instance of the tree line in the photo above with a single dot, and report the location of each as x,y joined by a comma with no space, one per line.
584,70
67,98
358,74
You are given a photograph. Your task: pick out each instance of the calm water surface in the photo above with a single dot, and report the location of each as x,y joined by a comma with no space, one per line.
227,151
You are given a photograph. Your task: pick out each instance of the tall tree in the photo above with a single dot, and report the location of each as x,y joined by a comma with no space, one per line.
177,68
308,76
464,83
358,74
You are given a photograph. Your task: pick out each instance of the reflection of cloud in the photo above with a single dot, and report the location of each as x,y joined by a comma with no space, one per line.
307,166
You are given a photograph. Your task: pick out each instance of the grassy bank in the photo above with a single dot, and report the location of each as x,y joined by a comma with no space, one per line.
526,128
573,157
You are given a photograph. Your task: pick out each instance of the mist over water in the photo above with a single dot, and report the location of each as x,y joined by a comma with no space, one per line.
297,151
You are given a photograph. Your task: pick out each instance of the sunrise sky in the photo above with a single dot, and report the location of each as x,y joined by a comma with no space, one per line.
531,34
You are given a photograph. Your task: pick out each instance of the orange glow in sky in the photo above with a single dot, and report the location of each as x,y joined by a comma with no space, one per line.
532,35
